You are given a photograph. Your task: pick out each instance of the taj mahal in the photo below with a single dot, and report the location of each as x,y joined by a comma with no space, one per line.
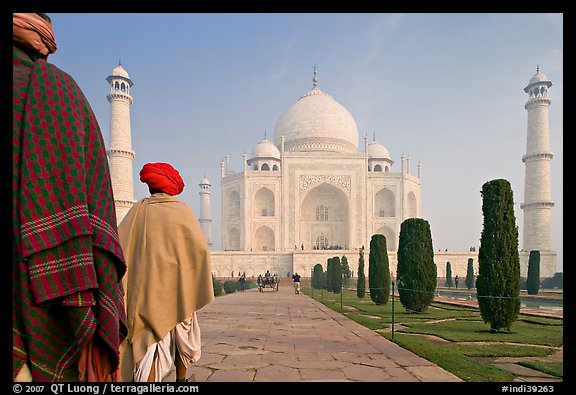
312,191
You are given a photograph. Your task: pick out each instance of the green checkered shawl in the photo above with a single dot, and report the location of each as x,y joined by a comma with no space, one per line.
67,259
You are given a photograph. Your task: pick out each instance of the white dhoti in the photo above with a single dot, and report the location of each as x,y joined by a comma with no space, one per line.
185,337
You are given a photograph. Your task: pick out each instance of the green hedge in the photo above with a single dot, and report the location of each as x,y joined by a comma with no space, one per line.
217,285
230,286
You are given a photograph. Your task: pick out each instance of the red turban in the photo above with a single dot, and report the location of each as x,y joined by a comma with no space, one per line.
162,176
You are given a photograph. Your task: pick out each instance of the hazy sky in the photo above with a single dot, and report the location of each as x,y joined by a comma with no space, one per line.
445,89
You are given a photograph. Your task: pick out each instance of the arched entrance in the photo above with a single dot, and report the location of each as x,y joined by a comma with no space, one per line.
324,218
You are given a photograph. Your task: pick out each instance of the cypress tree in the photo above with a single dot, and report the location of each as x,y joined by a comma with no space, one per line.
216,286
498,282
533,280
328,276
416,276
345,271
317,279
379,270
336,275
361,282
470,274
449,281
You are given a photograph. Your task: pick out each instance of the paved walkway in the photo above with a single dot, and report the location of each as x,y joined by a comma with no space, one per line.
281,336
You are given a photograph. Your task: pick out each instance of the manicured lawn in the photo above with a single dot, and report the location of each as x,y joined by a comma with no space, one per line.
453,337
555,369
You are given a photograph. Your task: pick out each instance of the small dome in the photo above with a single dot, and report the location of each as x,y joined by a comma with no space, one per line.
265,149
537,80
538,77
119,71
204,181
377,150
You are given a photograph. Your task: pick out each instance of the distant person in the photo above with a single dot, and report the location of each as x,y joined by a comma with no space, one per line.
167,282
242,282
296,278
456,279
68,316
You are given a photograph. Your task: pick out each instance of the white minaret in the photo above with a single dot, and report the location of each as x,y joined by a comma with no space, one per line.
205,220
120,154
538,202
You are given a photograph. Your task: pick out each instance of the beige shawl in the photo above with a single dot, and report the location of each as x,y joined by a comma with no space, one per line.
169,274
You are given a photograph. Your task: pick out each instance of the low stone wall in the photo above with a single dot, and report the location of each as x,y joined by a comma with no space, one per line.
227,264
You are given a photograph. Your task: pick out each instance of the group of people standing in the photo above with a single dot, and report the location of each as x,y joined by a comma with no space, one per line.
93,301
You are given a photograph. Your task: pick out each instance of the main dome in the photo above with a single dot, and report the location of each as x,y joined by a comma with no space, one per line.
317,122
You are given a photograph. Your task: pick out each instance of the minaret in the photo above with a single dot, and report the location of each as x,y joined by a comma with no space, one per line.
537,205
120,154
205,220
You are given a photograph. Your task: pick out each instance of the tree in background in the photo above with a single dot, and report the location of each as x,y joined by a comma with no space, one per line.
346,273
416,275
470,274
336,275
328,282
361,282
379,270
449,282
554,282
533,280
318,279
498,282
216,286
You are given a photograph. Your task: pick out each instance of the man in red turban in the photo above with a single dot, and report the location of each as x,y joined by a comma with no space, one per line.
168,279
162,177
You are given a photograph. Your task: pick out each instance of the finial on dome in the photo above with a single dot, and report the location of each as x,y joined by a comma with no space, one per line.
119,62
315,78
537,68
374,137
265,138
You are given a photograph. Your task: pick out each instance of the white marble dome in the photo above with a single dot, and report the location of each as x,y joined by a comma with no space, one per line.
317,122
537,81
377,150
119,71
265,149
538,77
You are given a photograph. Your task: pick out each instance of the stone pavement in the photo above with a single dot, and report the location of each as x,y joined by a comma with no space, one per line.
280,336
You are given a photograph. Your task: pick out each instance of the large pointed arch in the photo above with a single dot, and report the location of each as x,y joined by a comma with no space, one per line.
264,239
263,203
325,210
233,205
384,203
234,239
391,237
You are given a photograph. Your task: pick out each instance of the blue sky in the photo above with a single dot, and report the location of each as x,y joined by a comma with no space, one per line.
444,88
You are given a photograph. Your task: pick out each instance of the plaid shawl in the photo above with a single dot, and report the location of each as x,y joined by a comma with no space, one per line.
67,259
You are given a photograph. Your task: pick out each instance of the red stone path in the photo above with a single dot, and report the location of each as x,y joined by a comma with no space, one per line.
281,336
